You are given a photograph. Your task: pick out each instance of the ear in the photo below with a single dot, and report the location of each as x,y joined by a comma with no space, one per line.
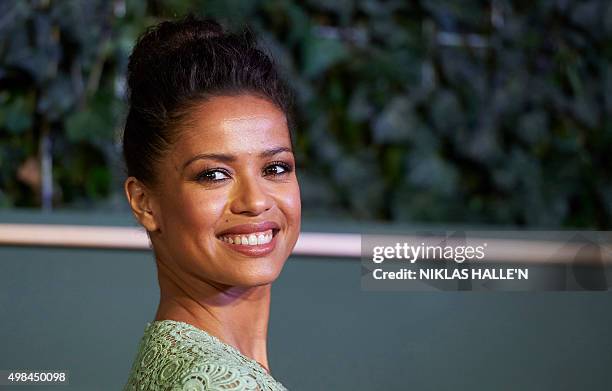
142,203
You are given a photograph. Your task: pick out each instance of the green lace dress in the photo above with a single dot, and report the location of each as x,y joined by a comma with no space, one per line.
175,356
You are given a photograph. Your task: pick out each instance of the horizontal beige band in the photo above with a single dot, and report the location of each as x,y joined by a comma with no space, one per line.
309,243
314,244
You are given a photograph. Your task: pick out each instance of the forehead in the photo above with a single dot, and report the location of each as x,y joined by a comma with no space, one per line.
242,124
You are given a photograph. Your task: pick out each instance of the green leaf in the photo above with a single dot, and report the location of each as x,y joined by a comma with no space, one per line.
17,115
321,53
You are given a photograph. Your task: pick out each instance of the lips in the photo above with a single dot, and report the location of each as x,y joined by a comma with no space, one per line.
250,228
261,238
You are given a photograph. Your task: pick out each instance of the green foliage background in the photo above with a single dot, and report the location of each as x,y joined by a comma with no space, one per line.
493,112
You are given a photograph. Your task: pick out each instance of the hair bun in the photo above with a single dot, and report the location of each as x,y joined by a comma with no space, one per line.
194,28
164,39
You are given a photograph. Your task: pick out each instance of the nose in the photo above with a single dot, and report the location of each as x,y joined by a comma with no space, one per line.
250,197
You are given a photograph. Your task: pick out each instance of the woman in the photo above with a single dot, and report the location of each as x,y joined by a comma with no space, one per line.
211,177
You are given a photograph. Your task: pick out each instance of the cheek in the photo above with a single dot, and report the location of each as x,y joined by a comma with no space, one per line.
199,208
291,204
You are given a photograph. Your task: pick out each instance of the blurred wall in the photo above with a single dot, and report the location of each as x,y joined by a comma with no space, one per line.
85,311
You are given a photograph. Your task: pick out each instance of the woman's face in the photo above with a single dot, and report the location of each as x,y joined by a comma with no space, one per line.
228,204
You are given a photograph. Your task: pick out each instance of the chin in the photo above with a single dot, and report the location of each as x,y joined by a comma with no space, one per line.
258,277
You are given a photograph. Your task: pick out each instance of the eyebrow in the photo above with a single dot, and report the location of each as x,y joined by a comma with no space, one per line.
232,158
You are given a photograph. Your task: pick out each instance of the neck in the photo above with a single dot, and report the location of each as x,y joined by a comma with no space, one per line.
238,316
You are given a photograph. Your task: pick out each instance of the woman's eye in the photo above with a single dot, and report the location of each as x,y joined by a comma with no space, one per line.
213,176
277,169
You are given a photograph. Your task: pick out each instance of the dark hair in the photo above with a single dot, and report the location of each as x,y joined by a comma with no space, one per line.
176,65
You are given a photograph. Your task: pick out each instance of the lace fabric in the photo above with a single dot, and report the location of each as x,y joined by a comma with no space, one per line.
177,356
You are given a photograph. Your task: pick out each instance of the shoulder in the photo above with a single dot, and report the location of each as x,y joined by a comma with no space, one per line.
175,356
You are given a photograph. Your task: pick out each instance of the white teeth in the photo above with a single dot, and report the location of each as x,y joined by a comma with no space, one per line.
253,239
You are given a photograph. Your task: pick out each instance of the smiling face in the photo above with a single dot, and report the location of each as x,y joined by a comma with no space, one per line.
227,205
